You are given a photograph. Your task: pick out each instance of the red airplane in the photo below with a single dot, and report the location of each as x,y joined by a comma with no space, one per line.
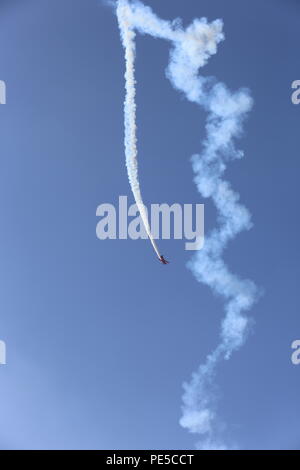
163,260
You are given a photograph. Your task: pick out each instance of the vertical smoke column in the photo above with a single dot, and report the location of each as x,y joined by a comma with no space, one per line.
128,39
190,49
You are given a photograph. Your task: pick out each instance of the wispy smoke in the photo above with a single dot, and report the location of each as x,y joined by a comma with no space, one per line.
190,50
128,39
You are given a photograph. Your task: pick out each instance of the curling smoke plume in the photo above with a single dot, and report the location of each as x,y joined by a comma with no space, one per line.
190,50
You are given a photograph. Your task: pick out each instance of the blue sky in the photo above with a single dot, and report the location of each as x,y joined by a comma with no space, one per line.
99,335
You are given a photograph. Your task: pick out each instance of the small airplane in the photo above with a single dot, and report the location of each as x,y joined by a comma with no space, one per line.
163,260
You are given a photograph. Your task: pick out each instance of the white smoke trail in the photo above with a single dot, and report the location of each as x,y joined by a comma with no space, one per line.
191,48
128,38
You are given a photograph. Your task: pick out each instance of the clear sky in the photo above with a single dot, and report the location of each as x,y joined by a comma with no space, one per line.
99,335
